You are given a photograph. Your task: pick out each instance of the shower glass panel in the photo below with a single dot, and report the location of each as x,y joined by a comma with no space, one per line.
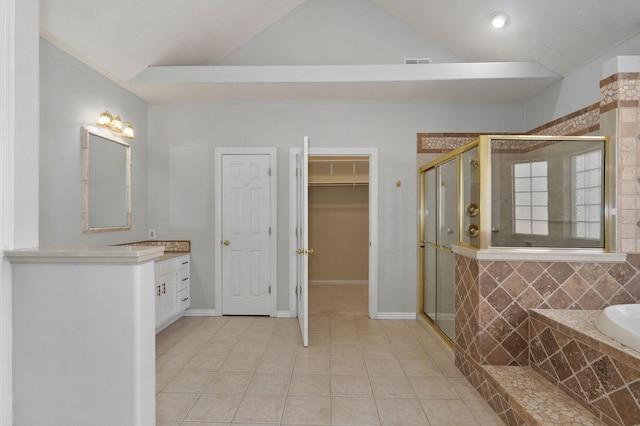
547,193
429,244
440,233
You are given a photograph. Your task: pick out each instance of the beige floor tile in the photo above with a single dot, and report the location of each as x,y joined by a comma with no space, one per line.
214,408
172,361
464,389
272,364
383,367
189,382
382,350
260,409
346,350
401,412
205,362
162,378
429,387
420,367
240,363
248,348
354,411
310,385
307,410
392,387
174,406
410,351
222,347
229,382
355,386
373,338
448,412
269,384
311,366
314,350
348,366
483,413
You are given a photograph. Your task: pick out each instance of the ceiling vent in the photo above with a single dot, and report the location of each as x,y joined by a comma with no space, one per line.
416,61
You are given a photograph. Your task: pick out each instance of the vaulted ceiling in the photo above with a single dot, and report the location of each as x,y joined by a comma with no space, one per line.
165,50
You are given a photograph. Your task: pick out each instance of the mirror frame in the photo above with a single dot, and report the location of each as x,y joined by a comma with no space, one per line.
86,132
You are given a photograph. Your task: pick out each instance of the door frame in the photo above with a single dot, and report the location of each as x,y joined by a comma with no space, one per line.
273,211
372,155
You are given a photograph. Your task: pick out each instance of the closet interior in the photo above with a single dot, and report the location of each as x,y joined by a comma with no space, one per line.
339,234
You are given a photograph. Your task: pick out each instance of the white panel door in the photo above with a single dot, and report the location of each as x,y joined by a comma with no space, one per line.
302,231
246,234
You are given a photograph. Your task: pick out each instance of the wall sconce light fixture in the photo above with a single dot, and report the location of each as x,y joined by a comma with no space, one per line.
115,124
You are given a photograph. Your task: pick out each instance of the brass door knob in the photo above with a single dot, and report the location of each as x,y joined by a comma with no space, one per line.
226,242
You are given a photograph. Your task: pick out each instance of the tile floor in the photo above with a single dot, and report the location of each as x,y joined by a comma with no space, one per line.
356,371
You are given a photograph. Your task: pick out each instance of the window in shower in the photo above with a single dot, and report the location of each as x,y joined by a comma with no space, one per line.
530,198
586,170
545,192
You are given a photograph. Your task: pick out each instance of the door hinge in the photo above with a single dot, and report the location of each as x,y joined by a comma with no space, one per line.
269,230
269,171
269,289
297,172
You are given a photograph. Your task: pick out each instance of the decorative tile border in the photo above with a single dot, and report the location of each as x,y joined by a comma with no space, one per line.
602,378
620,90
578,123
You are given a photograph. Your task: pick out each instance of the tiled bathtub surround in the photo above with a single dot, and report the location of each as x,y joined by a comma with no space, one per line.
493,299
595,370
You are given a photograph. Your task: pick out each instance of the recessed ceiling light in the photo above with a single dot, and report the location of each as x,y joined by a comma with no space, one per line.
499,20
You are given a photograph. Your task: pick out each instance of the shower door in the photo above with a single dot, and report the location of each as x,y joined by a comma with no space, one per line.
440,234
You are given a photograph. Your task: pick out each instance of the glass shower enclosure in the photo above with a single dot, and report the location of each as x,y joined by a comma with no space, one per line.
504,193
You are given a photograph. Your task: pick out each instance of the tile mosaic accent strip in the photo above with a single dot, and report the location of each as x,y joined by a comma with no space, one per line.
578,123
620,90
433,143
603,375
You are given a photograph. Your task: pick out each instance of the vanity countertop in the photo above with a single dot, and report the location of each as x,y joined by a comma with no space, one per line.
86,254
170,255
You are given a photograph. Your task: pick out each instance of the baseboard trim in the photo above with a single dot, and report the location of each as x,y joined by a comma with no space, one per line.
397,315
340,282
284,314
200,313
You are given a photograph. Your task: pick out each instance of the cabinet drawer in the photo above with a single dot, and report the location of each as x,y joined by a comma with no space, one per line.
184,300
183,279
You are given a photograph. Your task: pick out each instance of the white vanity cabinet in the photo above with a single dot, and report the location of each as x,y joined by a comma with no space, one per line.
171,289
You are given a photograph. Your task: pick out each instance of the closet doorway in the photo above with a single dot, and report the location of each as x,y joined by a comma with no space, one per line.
339,235
371,156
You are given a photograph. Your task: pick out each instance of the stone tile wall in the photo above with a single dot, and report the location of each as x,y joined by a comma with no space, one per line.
599,373
493,300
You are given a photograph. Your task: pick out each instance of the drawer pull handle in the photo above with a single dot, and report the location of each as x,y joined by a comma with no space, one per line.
185,279
185,299
164,288
158,287
184,263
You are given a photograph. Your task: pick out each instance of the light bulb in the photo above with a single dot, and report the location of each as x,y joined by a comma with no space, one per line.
499,20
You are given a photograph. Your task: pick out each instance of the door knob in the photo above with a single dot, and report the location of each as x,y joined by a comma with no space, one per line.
226,242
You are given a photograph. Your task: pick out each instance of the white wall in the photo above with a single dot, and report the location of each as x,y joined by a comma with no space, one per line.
575,91
184,136
18,163
73,95
335,32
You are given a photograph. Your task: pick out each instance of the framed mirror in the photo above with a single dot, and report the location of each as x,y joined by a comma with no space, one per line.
106,181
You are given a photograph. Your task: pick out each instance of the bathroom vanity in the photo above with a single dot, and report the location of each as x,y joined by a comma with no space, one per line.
172,288
84,335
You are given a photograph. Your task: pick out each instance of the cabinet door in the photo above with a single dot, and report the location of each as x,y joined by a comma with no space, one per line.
165,286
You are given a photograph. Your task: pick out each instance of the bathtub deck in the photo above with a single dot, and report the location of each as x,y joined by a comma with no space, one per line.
535,399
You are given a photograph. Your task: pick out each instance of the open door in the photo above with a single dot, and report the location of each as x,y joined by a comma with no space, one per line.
302,233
